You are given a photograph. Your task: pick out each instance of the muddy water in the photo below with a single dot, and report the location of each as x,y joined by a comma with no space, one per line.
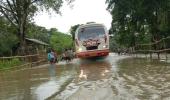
111,78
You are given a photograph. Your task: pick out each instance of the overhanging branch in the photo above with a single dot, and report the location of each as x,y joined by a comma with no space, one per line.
5,8
6,16
12,11
34,1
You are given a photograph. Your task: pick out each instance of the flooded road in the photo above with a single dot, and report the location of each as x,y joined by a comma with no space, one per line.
111,78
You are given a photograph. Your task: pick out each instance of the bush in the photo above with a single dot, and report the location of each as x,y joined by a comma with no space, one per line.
7,64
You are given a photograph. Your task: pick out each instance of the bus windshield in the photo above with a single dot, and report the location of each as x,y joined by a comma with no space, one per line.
90,32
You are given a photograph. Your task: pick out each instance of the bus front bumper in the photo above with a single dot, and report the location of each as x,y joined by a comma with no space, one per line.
96,53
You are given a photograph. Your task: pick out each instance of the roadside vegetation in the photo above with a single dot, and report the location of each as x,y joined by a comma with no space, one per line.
16,24
9,42
139,21
19,15
60,41
7,64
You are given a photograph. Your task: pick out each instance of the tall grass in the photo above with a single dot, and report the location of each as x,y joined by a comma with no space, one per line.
7,64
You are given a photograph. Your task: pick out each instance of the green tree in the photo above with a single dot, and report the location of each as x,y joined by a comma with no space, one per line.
7,37
38,32
134,21
60,41
20,12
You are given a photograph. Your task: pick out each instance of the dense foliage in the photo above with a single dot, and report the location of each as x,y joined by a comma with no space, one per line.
38,32
7,64
139,21
9,41
7,37
60,41
20,12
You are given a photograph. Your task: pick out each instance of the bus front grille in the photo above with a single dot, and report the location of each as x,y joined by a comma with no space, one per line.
92,48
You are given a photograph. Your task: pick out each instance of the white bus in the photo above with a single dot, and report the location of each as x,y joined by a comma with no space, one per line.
91,40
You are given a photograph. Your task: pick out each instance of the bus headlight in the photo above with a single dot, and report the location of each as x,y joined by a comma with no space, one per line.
105,46
80,49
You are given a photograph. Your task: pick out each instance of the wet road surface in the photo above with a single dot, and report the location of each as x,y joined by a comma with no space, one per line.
111,78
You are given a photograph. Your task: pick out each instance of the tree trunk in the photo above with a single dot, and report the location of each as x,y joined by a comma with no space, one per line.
22,46
22,40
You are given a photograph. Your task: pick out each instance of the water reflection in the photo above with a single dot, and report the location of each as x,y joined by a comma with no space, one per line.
94,70
92,82
82,74
48,88
52,71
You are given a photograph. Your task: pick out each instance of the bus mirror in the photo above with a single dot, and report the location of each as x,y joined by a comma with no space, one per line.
82,30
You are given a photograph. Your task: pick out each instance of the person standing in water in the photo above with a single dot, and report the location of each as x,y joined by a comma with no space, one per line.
52,59
51,56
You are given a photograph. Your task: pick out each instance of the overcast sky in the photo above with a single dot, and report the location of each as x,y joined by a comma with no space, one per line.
83,11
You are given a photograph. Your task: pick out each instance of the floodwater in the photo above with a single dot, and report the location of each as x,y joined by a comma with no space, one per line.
111,78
